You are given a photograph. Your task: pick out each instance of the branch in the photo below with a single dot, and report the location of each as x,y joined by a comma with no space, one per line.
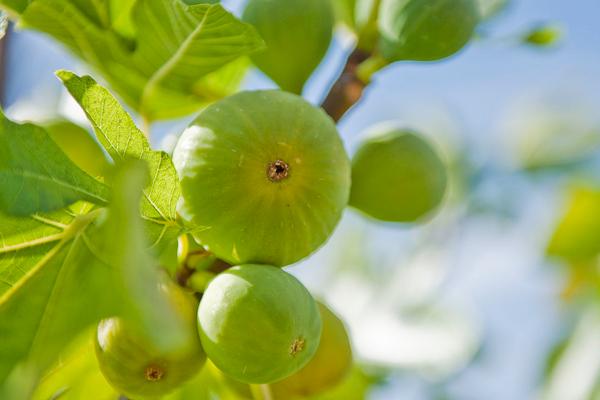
348,88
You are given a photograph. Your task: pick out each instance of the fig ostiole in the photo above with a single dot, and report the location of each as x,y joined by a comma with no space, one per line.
264,178
135,367
258,324
329,366
425,30
397,176
297,34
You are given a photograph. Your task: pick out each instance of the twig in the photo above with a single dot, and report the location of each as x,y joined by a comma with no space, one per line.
261,392
348,88
183,274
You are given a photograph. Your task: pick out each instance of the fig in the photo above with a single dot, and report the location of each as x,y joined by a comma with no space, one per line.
397,176
425,30
79,146
297,34
258,324
264,178
330,365
136,368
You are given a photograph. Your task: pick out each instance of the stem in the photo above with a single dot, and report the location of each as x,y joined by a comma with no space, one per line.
348,88
266,392
261,392
183,274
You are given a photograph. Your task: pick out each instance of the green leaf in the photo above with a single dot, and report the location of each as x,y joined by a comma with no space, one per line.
25,241
137,273
62,273
15,6
203,39
36,176
120,17
576,237
77,374
58,296
117,132
156,54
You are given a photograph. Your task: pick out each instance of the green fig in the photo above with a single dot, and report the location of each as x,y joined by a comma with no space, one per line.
258,324
264,178
397,177
136,368
297,34
236,389
329,366
425,30
79,146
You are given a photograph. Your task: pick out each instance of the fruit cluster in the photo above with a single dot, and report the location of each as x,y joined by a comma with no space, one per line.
265,179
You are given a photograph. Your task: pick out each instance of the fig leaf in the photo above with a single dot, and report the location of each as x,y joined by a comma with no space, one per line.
154,53
35,174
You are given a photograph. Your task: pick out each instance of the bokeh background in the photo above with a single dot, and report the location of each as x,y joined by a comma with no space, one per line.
468,305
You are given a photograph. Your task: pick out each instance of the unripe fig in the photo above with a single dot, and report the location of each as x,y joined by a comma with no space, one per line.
137,369
264,178
258,324
237,390
329,366
397,177
79,146
297,34
425,30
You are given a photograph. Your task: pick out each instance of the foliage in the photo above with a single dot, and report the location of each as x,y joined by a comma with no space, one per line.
165,58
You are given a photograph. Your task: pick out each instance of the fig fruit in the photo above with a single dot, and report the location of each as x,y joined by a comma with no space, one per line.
264,178
136,368
329,366
425,30
258,324
79,146
297,34
397,176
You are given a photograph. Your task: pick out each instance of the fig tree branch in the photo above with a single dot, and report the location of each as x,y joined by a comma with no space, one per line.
347,89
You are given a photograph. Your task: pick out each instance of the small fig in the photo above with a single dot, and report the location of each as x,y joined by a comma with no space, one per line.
397,177
258,324
329,366
425,30
79,146
264,178
136,368
297,34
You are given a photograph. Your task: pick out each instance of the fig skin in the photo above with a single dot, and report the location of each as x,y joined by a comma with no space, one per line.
297,34
137,369
264,178
330,365
397,177
258,324
425,30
